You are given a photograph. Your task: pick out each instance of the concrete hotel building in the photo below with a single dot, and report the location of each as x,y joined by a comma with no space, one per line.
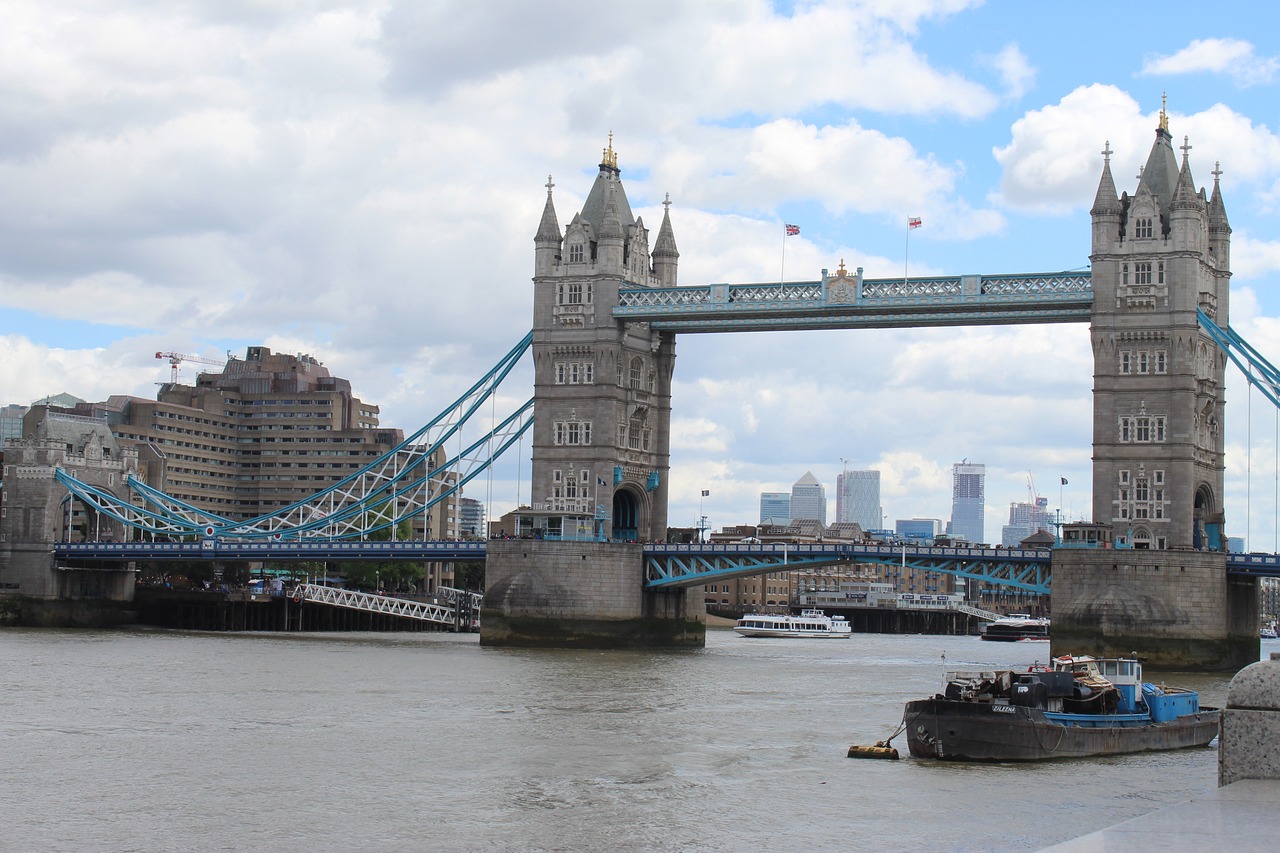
269,430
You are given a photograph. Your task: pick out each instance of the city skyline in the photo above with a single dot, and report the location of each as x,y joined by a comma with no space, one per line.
359,184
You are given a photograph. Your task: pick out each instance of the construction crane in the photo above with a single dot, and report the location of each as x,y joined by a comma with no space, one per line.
176,358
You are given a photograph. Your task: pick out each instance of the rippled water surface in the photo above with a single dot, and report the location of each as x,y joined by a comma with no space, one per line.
151,740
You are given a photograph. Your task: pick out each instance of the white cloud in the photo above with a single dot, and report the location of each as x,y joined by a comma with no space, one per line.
1252,258
1052,163
1016,71
1233,57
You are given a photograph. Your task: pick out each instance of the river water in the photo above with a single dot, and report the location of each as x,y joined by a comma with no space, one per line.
153,740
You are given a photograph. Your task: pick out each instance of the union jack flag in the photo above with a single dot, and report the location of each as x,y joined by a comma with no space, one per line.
793,230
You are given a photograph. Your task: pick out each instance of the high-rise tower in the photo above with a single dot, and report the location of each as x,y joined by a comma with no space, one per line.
858,498
968,501
1158,377
601,438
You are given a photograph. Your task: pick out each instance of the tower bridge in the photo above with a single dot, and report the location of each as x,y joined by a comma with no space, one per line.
607,309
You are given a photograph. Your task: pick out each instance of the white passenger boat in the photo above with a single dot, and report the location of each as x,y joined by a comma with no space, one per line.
808,623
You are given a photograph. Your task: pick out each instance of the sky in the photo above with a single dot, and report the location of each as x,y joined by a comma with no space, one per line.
361,181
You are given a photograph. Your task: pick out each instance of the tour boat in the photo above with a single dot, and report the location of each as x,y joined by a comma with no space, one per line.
1076,707
809,623
1015,627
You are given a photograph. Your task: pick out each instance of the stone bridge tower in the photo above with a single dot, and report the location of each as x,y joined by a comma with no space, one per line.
601,443
1158,377
1158,407
602,388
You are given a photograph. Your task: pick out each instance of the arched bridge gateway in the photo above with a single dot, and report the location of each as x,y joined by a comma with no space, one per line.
607,310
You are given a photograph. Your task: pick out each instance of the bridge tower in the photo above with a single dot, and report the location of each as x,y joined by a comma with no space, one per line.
1157,257
38,512
601,441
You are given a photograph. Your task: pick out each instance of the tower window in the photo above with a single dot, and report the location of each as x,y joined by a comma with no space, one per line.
1142,273
1125,362
1162,359
1142,228
575,253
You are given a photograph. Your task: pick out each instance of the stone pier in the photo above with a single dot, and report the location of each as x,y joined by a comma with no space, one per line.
1176,609
582,595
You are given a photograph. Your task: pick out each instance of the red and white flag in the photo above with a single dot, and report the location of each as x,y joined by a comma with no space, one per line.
914,222
792,230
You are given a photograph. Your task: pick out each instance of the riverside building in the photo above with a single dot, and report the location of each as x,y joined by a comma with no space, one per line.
266,431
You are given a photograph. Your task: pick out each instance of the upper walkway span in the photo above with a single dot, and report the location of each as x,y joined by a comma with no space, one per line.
845,301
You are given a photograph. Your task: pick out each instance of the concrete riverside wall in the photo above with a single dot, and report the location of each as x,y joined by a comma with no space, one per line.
1176,609
582,595
1249,738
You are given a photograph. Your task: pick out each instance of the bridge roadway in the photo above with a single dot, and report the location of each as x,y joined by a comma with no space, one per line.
666,566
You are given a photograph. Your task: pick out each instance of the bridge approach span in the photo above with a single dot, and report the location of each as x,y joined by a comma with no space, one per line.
675,566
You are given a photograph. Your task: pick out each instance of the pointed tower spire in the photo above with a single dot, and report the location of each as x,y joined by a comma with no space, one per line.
1184,193
1217,210
665,254
1106,201
549,227
547,242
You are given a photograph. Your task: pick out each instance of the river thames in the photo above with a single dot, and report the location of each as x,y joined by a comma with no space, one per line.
152,740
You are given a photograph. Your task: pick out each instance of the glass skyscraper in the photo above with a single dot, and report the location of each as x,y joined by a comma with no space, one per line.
968,508
809,500
858,498
775,507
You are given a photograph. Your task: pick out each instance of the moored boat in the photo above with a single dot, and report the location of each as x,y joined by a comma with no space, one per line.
1016,627
1077,707
807,624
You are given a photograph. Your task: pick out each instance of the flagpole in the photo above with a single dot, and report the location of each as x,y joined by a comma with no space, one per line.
906,252
782,274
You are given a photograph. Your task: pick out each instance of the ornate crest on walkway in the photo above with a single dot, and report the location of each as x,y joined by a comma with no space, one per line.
842,288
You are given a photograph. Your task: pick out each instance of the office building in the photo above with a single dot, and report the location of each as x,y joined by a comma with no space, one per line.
11,422
471,518
921,531
1026,519
968,512
809,500
775,508
858,498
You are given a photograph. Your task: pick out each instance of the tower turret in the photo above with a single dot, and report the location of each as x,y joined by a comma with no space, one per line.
1219,227
1107,210
548,240
665,255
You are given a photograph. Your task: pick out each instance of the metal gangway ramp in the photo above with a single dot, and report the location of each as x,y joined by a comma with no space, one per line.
442,614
